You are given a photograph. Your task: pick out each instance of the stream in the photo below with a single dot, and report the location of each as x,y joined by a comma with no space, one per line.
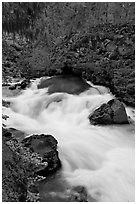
100,158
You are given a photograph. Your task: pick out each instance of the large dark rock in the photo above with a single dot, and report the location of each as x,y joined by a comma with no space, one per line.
112,112
119,112
46,147
64,83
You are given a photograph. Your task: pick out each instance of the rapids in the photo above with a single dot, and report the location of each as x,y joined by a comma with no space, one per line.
101,158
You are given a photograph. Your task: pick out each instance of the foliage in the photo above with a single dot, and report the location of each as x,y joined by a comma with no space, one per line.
18,17
94,40
52,21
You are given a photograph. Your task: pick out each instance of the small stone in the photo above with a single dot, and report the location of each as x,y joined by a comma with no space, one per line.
12,87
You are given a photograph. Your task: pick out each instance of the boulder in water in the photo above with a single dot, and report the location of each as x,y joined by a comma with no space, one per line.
119,112
112,112
64,83
24,83
46,146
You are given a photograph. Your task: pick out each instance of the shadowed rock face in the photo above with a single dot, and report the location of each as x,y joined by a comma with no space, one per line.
65,83
112,112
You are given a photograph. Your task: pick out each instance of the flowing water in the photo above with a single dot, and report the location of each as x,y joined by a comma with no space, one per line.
101,158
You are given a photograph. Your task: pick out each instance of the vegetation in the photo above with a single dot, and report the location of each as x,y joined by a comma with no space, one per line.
93,40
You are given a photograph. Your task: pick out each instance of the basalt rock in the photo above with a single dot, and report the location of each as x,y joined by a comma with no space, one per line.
112,112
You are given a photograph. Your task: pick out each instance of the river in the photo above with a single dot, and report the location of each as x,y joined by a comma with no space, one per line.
101,158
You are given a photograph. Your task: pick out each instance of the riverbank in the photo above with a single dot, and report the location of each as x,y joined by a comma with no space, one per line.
105,56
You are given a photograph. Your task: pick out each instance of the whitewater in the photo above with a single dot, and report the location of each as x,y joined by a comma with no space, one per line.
101,158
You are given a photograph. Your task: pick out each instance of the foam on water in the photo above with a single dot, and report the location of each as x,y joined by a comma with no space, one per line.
101,158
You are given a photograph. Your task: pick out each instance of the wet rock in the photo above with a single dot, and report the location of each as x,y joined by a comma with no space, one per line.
5,103
112,112
102,115
24,83
46,147
5,117
64,83
12,87
119,112
78,194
